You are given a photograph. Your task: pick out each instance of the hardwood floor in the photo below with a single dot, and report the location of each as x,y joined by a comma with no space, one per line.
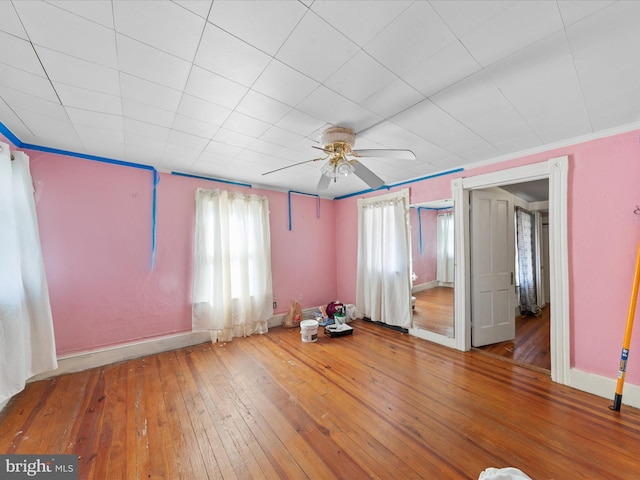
377,404
434,310
531,345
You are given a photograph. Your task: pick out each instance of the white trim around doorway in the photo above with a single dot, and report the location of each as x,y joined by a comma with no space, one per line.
556,170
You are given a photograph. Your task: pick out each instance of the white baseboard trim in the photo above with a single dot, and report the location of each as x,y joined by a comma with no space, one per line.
604,387
119,353
424,286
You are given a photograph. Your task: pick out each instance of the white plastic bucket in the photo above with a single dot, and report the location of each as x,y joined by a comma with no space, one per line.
309,330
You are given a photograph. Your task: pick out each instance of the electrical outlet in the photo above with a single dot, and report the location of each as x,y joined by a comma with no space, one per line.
300,297
275,304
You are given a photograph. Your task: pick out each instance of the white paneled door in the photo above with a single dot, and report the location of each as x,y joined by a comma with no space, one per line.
492,268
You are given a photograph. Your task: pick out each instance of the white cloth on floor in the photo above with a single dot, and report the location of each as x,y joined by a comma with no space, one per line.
508,473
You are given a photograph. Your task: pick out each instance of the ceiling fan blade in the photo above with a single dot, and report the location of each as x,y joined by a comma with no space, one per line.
385,153
293,165
322,148
324,182
367,175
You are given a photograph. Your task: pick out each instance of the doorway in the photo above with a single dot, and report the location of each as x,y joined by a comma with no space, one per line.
527,316
556,171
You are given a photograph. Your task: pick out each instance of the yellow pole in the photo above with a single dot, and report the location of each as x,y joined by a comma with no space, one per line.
617,401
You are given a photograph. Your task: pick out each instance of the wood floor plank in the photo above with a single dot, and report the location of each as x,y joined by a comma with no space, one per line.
377,404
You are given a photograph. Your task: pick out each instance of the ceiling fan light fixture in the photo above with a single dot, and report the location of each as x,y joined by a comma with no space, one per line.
344,167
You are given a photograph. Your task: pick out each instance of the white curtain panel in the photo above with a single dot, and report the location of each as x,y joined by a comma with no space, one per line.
27,343
232,290
383,291
445,248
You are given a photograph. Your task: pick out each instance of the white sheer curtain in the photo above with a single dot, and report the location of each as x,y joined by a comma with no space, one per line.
383,291
232,291
27,344
445,248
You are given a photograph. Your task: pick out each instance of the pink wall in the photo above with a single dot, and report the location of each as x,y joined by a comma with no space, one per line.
95,225
95,228
424,264
604,189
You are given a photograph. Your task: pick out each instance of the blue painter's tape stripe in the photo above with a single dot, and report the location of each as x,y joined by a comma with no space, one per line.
156,180
401,183
10,136
212,179
302,193
86,156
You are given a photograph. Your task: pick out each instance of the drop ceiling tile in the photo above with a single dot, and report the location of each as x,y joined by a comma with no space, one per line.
280,136
214,88
143,152
149,93
202,110
315,48
235,139
298,122
413,36
241,123
65,32
149,21
27,83
89,100
91,136
23,102
193,126
573,11
360,77
223,54
147,113
112,151
10,120
284,84
187,140
178,157
19,53
337,110
479,105
372,16
87,118
98,11
444,68
603,55
136,128
430,122
541,83
9,21
143,61
512,29
52,131
464,16
254,21
74,71
199,7
256,105
392,99
221,150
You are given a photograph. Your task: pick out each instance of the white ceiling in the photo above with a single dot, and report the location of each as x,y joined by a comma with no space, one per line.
234,89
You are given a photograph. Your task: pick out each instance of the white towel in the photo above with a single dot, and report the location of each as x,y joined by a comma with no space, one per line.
508,473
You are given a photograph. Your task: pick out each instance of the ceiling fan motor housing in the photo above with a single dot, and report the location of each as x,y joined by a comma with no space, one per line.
337,137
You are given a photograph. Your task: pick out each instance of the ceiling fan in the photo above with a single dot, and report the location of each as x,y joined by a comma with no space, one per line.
341,159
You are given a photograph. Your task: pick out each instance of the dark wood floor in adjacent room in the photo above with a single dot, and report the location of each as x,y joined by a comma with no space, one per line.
531,345
377,404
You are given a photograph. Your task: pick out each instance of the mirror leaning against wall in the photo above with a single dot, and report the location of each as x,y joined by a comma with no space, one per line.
433,246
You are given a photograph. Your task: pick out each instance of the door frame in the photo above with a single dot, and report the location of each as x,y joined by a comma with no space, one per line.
556,170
